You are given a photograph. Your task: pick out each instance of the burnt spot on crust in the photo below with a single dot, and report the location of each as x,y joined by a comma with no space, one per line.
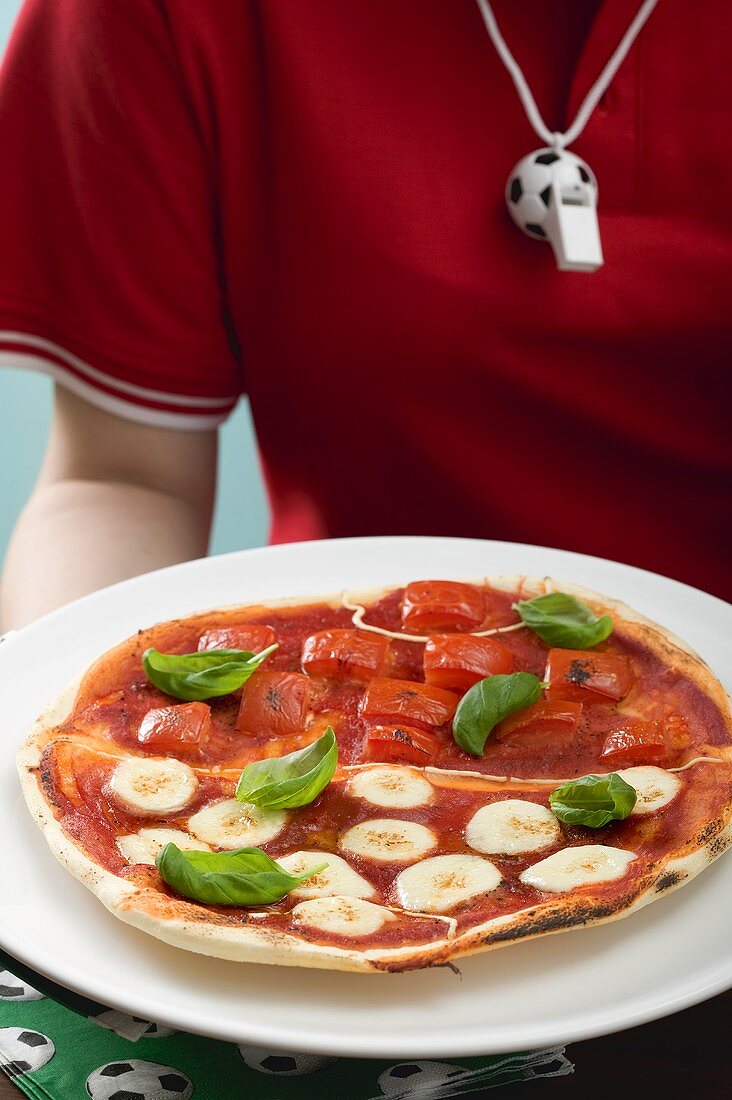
669,880
709,833
718,845
46,778
557,920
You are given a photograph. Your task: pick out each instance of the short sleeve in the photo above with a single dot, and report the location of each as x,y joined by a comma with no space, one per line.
110,277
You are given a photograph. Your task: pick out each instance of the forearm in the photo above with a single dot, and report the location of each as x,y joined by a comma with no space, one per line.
75,536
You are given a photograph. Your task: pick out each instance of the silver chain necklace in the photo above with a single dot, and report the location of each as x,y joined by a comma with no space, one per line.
552,194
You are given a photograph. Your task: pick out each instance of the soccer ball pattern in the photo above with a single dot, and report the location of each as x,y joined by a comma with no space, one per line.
14,989
23,1050
529,186
287,1063
427,1079
138,1080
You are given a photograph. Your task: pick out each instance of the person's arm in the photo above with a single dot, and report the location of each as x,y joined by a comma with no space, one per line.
114,498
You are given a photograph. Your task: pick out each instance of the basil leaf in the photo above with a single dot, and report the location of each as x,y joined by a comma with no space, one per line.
593,800
564,621
487,703
205,675
285,782
245,877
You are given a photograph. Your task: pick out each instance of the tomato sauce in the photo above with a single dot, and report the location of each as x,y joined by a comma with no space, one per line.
78,780
114,696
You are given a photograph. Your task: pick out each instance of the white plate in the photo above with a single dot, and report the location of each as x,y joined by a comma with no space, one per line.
674,953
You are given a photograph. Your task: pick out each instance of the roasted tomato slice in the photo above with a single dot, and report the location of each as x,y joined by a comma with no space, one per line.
546,723
457,661
400,744
428,606
251,638
347,654
177,729
394,701
582,674
274,703
677,733
636,742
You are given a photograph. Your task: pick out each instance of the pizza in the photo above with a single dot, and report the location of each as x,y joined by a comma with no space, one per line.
389,780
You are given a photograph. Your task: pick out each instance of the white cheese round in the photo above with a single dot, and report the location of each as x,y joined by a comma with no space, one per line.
144,845
232,824
338,879
388,839
439,884
342,916
512,826
584,865
153,788
396,788
654,787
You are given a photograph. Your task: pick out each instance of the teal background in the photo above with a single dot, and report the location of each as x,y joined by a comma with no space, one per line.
241,518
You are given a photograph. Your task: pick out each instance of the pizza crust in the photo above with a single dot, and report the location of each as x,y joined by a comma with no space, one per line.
171,919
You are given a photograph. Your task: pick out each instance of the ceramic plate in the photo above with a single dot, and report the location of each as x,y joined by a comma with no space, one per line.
552,990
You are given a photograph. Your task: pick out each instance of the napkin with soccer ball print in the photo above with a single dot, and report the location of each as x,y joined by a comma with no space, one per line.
56,1045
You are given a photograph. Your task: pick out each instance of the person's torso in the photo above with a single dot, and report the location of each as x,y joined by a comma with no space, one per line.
416,364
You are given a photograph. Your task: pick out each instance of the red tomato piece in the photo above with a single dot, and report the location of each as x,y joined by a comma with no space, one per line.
580,673
400,744
457,661
350,654
428,606
180,729
635,742
677,733
274,703
393,701
545,723
251,638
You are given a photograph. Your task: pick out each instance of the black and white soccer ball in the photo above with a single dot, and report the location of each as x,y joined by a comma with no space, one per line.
138,1080
131,1027
427,1079
15,989
529,186
286,1063
23,1050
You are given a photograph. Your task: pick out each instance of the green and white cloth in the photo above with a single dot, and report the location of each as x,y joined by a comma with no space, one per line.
56,1045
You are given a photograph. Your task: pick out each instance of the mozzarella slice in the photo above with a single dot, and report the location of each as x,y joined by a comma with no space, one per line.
389,840
512,826
153,788
342,916
439,884
232,824
337,879
397,788
584,865
654,786
144,845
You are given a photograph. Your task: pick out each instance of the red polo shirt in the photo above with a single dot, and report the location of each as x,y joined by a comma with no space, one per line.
304,202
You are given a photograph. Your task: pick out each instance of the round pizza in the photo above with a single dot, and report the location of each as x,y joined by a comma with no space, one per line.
389,780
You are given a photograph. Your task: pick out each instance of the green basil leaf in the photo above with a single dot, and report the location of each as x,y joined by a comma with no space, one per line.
285,782
205,675
487,703
564,621
245,877
593,800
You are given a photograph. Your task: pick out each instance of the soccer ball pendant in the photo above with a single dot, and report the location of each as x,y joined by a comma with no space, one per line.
552,196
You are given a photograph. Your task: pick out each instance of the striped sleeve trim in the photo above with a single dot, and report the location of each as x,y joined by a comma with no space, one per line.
145,406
